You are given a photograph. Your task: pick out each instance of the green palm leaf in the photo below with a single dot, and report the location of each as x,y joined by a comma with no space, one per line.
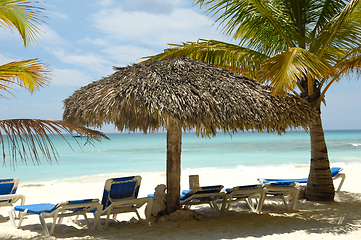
246,21
342,30
239,59
21,16
283,71
31,74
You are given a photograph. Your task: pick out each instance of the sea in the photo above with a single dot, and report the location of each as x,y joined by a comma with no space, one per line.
146,153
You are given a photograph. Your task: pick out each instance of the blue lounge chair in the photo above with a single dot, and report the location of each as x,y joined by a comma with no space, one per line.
246,193
8,189
205,195
55,211
120,196
335,174
280,190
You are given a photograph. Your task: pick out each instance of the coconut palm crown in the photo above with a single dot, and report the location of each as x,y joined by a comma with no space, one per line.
298,47
182,94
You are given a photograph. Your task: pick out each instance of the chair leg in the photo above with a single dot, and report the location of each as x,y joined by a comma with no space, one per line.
212,207
250,204
21,218
137,213
43,224
107,220
148,210
285,202
223,207
342,176
12,217
295,199
86,220
227,206
97,216
76,218
54,223
260,202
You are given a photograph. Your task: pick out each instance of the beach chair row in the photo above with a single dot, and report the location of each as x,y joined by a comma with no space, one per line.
220,201
253,195
121,195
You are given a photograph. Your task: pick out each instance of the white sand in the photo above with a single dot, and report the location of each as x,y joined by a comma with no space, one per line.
337,220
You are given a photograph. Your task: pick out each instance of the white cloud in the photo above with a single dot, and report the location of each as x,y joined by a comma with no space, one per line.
89,60
154,29
59,15
49,37
150,6
105,3
69,77
98,41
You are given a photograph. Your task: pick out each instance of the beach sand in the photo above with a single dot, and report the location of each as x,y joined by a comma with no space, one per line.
312,220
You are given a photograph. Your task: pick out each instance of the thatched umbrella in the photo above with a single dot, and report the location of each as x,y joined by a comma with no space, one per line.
182,94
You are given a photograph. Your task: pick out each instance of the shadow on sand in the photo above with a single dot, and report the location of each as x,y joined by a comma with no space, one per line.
339,217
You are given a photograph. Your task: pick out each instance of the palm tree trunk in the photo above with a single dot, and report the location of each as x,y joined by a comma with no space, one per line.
174,144
319,185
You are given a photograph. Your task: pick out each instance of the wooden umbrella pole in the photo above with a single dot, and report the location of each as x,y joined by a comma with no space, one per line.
174,144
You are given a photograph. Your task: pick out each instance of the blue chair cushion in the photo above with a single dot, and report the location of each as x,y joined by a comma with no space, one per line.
36,208
6,186
207,189
334,171
124,189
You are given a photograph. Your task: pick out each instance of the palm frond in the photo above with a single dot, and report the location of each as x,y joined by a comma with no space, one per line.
31,74
21,16
283,71
333,30
24,139
238,59
264,26
324,11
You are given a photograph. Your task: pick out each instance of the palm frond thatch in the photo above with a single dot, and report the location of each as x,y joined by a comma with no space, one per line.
23,139
198,96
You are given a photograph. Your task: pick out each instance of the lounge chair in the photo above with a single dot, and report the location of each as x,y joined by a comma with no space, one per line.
120,196
205,195
335,174
281,190
8,189
246,193
55,211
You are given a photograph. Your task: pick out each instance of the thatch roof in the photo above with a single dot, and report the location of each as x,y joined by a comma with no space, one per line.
199,96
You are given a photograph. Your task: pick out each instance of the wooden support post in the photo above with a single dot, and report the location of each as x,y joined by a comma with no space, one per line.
193,181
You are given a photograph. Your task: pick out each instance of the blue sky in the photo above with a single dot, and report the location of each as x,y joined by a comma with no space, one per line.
82,39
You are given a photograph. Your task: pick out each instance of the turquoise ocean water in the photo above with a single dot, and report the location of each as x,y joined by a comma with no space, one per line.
138,152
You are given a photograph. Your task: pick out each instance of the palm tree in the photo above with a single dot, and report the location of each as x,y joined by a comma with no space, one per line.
298,47
24,138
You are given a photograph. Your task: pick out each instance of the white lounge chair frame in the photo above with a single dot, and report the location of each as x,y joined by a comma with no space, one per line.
280,191
337,176
196,199
247,194
124,205
63,209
